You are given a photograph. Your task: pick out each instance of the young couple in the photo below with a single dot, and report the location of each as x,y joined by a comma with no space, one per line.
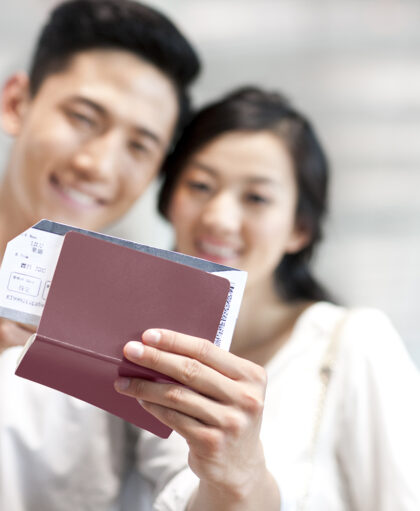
316,407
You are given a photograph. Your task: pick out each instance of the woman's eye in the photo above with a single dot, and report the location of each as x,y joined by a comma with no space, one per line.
138,147
199,186
256,198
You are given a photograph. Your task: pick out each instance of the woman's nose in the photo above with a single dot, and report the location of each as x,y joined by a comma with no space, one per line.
222,213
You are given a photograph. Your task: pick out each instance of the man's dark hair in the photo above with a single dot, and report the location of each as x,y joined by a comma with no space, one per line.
79,25
251,109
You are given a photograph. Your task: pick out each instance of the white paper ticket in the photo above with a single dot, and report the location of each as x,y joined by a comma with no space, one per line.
30,259
26,272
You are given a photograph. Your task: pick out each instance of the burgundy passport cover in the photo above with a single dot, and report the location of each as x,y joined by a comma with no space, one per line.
103,295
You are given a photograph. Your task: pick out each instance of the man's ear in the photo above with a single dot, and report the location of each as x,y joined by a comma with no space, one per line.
298,240
14,103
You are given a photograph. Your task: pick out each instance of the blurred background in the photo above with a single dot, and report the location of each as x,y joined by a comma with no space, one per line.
354,67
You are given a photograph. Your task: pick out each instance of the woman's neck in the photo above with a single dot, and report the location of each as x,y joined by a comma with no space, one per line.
264,324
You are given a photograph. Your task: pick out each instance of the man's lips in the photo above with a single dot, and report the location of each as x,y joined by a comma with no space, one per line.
76,196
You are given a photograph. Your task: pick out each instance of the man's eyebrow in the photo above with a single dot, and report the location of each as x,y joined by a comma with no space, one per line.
88,102
140,130
145,132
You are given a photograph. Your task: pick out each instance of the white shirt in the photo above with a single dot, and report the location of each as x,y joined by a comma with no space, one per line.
60,454
367,455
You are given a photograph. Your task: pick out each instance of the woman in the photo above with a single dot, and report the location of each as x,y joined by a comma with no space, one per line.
247,188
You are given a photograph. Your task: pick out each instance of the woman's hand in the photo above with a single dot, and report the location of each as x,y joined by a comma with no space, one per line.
218,410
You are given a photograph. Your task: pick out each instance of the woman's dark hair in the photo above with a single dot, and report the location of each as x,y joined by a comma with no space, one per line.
252,109
79,25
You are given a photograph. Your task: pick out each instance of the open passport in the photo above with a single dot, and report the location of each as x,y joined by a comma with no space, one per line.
89,294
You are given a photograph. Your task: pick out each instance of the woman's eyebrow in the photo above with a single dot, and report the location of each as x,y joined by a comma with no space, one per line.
253,179
263,180
203,166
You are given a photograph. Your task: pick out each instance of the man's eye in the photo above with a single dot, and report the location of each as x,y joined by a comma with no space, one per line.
81,119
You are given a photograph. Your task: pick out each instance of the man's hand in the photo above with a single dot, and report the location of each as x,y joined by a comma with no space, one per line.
13,334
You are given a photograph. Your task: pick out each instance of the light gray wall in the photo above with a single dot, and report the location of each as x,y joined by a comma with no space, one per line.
354,67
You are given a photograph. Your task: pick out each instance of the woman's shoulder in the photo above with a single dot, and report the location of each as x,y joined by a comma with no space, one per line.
367,340
370,353
370,331
326,315
365,330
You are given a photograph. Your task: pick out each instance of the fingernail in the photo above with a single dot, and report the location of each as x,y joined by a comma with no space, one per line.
122,383
151,336
134,349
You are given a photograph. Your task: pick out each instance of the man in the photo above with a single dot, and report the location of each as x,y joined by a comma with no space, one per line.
92,122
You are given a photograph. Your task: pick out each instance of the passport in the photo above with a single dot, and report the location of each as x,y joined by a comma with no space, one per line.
103,294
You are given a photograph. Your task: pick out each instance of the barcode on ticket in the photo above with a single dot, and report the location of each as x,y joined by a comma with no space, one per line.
222,324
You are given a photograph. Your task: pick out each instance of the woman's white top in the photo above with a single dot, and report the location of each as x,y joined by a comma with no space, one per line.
60,454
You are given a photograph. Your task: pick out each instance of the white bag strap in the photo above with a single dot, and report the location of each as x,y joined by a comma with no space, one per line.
325,372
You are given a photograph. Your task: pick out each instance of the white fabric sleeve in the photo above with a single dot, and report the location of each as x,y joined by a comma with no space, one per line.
287,502
379,433
164,463
177,493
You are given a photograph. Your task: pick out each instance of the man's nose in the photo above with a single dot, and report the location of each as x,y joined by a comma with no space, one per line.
222,213
97,158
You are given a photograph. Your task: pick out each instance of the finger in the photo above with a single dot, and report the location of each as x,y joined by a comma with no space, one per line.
12,335
174,396
200,349
189,428
188,371
29,328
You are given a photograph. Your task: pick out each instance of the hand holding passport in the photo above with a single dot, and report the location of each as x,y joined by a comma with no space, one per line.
104,294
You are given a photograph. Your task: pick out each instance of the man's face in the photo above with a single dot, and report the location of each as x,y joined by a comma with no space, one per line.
90,141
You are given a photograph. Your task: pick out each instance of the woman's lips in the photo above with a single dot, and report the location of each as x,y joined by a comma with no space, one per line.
216,251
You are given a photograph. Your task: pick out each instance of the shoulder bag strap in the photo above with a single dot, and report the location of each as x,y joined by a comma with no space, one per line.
325,372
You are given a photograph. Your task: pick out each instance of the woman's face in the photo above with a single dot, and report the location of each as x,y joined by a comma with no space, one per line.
235,202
